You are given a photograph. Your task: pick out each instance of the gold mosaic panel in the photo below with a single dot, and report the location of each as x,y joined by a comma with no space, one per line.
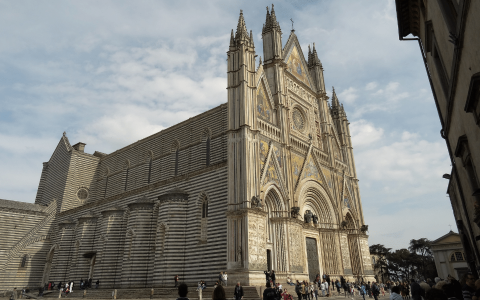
295,66
311,170
264,108
297,163
271,174
263,152
328,177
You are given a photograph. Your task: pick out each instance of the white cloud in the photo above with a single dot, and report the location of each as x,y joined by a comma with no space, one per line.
348,96
364,133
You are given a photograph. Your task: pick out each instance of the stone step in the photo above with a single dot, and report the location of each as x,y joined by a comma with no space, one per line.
250,293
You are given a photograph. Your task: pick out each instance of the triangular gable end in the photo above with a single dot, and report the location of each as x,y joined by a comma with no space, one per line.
273,171
296,64
264,150
265,103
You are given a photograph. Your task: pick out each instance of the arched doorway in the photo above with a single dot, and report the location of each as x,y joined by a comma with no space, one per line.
353,246
48,266
276,239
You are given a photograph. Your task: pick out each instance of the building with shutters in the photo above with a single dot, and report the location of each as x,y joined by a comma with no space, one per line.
265,181
447,34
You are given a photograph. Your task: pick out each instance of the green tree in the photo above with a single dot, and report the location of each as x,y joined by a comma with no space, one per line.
422,247
381,264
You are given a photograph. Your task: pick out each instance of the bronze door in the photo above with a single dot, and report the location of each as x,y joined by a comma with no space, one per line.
312,258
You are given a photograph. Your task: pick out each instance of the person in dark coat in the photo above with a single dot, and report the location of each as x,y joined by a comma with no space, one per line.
269,293
417,291
182,291
272,275
267,276
176,280
238,293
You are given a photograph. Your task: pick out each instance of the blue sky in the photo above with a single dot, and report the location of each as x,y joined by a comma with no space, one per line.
112,72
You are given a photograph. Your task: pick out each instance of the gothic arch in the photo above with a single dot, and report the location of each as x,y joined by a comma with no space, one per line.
275,197
351,224
313,195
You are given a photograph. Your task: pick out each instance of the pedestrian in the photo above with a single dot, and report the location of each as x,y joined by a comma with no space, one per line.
71,286
322,287
327,287
468,286
272,275
238,293
225,278
269,293
338,285
220,278
14,294
60,285
97,283
395,293
376,290
182,291
298,290
363,290
176,278
289,281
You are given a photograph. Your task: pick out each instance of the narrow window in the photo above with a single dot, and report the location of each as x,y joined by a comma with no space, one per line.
449,10
24,261
473,98
125,179
428,36
176,162
149,171
207,152
204,220
440,69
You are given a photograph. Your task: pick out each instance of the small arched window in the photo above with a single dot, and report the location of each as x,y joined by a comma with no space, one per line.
23,264
457,256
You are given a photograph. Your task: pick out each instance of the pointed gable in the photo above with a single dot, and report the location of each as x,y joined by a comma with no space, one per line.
297,164
263,153
271,174
311,170
264,107
295,60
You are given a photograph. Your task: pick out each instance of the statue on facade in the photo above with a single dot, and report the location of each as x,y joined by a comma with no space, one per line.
295,211
256,202
315,219
364,228
344,224
308,216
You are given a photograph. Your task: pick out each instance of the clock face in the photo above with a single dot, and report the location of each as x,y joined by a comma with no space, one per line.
298,120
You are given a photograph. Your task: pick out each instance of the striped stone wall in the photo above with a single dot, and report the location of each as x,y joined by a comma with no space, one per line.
25,236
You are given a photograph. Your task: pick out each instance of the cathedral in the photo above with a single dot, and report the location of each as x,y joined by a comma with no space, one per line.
266,181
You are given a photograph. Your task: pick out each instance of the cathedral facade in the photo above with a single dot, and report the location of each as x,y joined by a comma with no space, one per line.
266,181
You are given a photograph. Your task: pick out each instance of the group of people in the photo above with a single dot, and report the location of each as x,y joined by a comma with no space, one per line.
468,288
218,292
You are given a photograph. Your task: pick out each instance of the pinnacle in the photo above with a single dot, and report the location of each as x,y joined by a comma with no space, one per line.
335,102
242,33
271,22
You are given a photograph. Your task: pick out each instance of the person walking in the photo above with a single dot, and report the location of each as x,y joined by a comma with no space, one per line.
71,286
97,283
363,290
376,290
238,293
182,291
395,293
269,293
220,278
176,278
225,278
272,275
298,290
468,286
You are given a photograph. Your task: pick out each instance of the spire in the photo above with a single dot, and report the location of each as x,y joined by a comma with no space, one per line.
232,40
251,39
315,60
242,33
309,60
335,102
260,61
270,22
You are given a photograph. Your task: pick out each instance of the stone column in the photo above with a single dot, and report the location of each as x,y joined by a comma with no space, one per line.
347,266
84,248
139,244
109,258
171,234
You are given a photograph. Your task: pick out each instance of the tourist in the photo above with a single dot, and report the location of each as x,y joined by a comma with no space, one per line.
289,281
183,291
238,293
363,290
375,290
338,285
225,278
286,295
60,285
327,286
314,289
14,294
468,286
97,283
71,286
395,293
269,293
220,278
417,292
298,290
176,278
323,287
272,276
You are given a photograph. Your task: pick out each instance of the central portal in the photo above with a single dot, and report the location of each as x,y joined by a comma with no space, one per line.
312,258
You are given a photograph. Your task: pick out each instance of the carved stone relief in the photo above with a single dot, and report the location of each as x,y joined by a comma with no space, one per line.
257,253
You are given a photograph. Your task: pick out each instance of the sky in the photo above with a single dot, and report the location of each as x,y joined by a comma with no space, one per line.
109,73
